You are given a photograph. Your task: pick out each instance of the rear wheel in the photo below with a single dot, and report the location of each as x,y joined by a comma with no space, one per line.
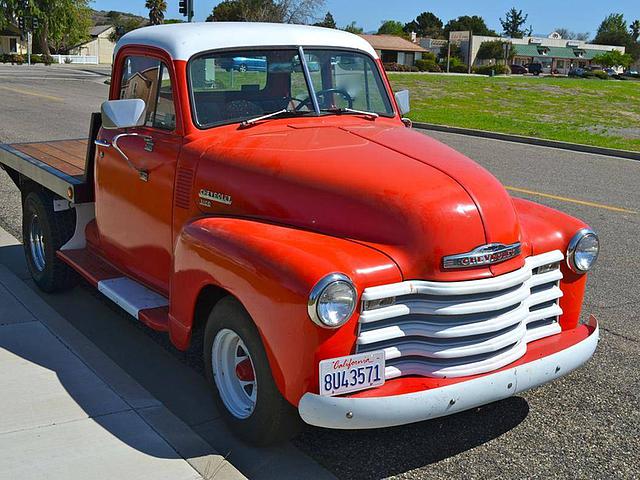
237,367
242,68
44,231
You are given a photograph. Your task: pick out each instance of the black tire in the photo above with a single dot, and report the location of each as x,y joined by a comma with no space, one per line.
273,420
242,68
56,229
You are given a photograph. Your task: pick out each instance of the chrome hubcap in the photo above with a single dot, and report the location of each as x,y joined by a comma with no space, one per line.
234,373
36,243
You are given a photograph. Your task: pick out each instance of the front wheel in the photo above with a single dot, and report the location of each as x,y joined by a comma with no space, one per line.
238,369
44,231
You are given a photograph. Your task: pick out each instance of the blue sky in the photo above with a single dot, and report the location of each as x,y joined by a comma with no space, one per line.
544,15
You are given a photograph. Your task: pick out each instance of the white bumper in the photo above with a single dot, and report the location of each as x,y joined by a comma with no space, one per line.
378,412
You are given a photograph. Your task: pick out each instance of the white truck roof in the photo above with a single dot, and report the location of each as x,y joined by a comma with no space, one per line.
183,40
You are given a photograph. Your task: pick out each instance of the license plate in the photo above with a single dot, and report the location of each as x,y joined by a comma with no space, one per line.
351,373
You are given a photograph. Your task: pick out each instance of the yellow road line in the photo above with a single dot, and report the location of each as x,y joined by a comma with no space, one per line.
571,200
26,92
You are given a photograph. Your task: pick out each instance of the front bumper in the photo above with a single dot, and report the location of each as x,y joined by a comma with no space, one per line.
378,412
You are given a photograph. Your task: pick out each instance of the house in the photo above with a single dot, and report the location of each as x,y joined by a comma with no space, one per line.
392,49
100,45
11,41
553,52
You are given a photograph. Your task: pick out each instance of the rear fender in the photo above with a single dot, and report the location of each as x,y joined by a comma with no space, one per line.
271,269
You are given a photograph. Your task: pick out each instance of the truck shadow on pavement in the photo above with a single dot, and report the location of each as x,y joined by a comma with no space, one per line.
175,378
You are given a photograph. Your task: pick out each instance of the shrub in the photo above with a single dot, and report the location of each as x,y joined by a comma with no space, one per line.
428,66
496,69
5,58
16,58
398,67
601,75
458,68
35,58
48,59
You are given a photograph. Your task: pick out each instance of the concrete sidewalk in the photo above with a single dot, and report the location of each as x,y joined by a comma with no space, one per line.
68,411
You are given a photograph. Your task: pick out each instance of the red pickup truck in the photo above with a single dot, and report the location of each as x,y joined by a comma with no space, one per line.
334,265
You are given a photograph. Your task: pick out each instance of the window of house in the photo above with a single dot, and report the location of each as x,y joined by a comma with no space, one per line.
13,45
148,79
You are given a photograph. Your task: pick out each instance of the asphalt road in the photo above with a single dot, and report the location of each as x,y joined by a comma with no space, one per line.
583,426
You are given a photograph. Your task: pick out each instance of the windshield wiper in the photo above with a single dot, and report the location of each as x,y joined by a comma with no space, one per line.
252,121
351,110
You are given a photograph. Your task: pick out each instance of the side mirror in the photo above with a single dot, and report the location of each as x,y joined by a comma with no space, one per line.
123,113
402,99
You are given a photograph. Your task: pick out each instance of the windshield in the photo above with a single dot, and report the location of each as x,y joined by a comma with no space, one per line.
230,87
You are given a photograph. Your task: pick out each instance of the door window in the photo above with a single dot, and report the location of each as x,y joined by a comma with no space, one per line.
148,79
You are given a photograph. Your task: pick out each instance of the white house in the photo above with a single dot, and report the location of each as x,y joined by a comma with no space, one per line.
98,46
11,41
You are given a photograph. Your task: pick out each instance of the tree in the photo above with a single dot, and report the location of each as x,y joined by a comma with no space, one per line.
426,24
328,22
513,24
392,27
635,30
614,31
63,23
353,28
569,35
495,50
156,11
613,58
475,24
124,25
277,11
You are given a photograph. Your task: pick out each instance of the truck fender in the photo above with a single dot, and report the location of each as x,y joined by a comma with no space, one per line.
546,229
271,270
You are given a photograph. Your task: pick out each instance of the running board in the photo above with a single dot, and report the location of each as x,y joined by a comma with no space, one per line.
134,298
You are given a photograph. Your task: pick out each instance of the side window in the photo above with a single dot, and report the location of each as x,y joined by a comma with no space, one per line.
148,79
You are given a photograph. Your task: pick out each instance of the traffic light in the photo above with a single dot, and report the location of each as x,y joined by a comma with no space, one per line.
21,23
35,23
183,7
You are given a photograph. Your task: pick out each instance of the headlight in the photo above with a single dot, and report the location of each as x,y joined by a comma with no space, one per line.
332,301
583,250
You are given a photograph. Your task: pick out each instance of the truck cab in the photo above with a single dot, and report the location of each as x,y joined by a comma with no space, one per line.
253,190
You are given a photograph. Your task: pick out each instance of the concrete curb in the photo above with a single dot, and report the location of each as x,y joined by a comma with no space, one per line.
188,444
576,147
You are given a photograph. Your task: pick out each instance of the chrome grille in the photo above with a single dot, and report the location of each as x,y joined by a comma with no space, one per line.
453,329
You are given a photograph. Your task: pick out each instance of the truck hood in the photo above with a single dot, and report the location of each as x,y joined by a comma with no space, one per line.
388,187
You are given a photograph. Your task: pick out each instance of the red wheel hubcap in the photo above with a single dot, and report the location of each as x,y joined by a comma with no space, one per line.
244,371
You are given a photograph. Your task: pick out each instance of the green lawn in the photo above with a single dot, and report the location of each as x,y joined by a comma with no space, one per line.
605,113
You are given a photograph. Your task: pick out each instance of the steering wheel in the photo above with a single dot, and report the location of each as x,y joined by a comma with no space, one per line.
323,93
294,99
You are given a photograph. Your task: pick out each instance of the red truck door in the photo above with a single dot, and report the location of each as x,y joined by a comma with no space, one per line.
134,197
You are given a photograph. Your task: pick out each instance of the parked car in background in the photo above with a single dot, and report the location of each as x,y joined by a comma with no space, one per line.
519,69
611,72
247,64
631,72
535,68
577,72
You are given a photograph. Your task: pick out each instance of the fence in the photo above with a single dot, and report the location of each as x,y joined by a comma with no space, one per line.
83,59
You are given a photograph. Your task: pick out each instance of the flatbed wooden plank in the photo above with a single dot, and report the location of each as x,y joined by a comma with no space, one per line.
68,156
51,160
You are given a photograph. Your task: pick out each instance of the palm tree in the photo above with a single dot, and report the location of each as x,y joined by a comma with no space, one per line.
635,29
156,11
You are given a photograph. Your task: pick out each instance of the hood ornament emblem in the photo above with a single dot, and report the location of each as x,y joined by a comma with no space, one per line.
483,255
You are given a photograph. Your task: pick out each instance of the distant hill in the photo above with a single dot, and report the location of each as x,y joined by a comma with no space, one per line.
104,17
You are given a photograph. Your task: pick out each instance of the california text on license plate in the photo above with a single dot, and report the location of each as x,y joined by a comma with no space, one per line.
351,373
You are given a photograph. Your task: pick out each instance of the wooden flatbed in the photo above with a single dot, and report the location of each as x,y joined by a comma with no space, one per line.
63,166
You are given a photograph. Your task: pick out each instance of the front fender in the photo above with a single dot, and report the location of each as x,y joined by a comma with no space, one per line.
271,269
546,229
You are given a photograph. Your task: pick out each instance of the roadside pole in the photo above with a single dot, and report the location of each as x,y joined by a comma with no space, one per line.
449,53
29,46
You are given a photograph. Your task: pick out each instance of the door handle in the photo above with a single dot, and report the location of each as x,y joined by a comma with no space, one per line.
148,146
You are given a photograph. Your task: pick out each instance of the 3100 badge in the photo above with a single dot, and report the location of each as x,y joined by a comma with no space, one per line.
352,373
